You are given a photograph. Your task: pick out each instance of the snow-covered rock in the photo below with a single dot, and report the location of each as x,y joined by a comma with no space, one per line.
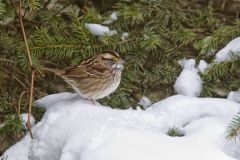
99,30
231,49
145,102
75,129
189,82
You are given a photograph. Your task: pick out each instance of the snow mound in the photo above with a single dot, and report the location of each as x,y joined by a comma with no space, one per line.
54,99
234,96
189,82
75,129
99,30
231,49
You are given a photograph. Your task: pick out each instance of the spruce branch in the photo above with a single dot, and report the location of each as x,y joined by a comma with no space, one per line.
175,132
33,5
233,130
2,9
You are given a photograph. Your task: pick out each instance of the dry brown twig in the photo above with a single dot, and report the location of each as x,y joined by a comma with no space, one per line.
19,107
19,103
28,124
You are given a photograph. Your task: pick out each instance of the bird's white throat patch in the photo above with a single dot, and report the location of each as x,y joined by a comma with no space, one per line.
117,66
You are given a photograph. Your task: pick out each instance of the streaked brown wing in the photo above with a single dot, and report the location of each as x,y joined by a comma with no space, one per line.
78,71
96,69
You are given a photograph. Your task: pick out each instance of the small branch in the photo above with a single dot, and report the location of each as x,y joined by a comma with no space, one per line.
24,33
10,75
19,81
6,60
19,103
28,124
19,108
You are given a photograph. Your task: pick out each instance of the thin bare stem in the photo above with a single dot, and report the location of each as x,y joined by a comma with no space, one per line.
19,103
19,107
30,104
6,60
28,124
24,33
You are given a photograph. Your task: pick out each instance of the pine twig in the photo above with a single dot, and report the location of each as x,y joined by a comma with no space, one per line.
28,124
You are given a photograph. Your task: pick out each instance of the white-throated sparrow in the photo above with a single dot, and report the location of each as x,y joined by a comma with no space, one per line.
96,77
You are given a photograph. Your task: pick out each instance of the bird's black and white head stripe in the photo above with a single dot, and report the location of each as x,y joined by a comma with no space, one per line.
110,55
113,53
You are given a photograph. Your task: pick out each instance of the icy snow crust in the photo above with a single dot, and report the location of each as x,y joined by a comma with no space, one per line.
75,129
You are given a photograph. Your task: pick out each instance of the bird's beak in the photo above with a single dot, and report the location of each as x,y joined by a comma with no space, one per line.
120,61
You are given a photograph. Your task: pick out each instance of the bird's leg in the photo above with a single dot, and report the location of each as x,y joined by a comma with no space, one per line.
93,101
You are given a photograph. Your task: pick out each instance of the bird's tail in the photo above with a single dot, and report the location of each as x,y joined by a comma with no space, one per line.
56,71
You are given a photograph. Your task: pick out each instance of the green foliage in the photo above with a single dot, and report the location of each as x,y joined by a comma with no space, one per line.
234,128
222,36
12,125
218,71
175,132
32,5
2,9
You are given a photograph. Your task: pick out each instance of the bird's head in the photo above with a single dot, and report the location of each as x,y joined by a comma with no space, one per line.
112,60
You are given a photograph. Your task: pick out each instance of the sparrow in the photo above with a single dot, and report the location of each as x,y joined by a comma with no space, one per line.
96,77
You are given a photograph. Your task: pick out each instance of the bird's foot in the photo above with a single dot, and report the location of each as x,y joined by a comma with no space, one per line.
93,102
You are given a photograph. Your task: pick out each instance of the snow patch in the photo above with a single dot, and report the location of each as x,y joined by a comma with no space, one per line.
51,100
99,30
145,102
234,96
189,82
202,66
124,36
113,17
230,50
19,151
74,129
24,118
230,147
182,62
